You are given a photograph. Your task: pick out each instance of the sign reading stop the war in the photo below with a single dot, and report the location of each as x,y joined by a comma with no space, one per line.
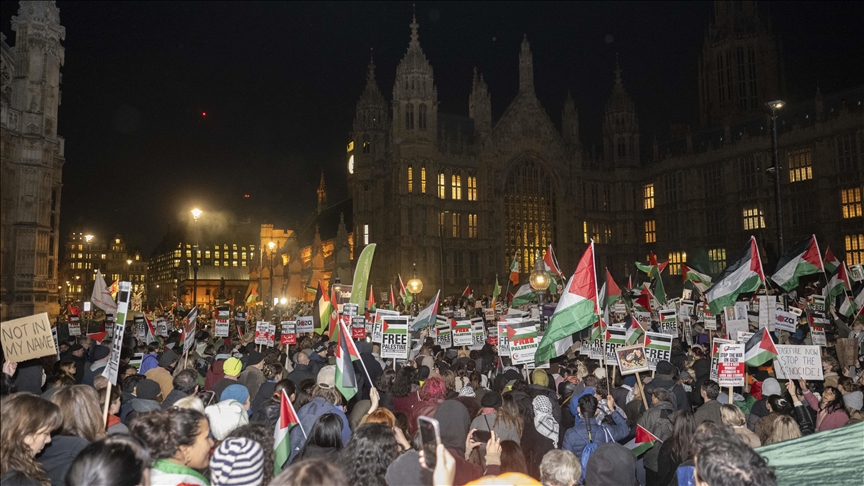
730,365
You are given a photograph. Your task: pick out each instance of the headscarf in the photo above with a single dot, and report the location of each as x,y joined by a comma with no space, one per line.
455,423
544,422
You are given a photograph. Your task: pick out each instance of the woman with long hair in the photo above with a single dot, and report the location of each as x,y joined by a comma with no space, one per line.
830,411
587,430
784,428
368,454
384,385
325,439
405,390
64,368
512,458
500,414
734,417
777,406
431,394
678,448
27,422
179,443
117,460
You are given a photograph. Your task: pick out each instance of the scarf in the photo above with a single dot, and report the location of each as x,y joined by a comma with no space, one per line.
544,422
467,391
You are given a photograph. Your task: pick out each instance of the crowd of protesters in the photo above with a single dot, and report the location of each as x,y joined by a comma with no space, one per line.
208,417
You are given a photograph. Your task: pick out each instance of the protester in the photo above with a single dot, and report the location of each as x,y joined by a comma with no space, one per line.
324,440
560,468
237,461
611,465
216,370
325,399
268,410
183,385
27,423
512,458
710,410
82,424
501,415
544,421
231,368
734,417
179,443
114,425
783,428
368,454
252,375
586,430
830,410
664,377
456,436
770,386
148,397
263,435
658,421
723,459
831,368
163,374
272,375
302,369
311,472
777,406
677,449
116,460
431,394
100,355
405,390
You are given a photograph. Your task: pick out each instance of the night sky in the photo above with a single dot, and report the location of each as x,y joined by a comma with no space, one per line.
279,83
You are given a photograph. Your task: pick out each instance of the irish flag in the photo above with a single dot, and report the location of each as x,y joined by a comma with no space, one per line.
346,353
759,348
743,275
282,443
800,260
577,309
831,262
700,280
643,441
514,270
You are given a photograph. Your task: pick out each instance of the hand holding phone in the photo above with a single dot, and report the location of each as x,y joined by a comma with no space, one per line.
430,438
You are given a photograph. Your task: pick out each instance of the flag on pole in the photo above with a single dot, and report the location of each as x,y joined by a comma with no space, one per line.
253,294
102,296
496,291
407,298
643,301
800,260
321,310
514,270
643,441
831,262
150,330
613,291
654,271
838,284
115,287
701,281
577,309
634,330
281,440
524,295
426,317
629,282
743,275
551,263
759,348
598,329
370,302
851,306
346,354
392,298
467,292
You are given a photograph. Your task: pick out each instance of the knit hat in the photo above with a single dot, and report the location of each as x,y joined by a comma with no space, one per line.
327,376
854,400
664,367
539,377
147,390
611,463
237,461
255,357
491,399
101,352
226,416
235,392
168,358
75,347
320,347
770,387
232,366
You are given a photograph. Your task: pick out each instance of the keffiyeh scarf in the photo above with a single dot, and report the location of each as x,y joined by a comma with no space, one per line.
544,422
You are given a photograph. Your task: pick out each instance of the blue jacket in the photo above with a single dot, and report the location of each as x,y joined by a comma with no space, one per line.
307,416
148,362
576,438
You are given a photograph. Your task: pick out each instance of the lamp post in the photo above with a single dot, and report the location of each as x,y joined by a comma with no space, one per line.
539,281
774,106
128,270
415,286
196,213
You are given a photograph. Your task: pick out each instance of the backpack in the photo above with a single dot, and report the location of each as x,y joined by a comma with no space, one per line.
589,449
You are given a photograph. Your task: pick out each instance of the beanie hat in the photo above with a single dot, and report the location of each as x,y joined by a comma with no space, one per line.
235,392
101,352
770,387
255,357
854,400
600,373
168,358
327,376
491,399
226,416
423,373
147,390
232,366
664,367
237,461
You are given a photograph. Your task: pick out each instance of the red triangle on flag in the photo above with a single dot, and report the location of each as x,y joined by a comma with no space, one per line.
647,340
98,336
384,327
767,343
642,435
287,416
510,333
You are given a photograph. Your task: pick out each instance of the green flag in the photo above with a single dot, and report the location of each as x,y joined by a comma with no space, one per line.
361,278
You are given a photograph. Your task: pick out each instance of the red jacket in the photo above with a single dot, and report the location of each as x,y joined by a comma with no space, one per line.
826,421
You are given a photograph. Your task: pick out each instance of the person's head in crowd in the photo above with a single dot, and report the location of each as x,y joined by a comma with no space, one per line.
846,385
853,401
512,458
181,436
509,413
611,464
326,432
263,435
590,380
326,389
126,371
55,383
778,404
289,387
683,435
368,454
191,402
723,459
710,390
100,382
301,358
423,373
783,428
186,382
101,353
830,364
82,412
237,461
449,378
118,460
770,387
272,371
148,390
475,379
77,350
114,404
587,407
226,416
381,416
385,381
402,422
832,400
471,404
27,422
304,393
66,367
232,368
433,389
311,472
406,377
660,395
129,384
239,393
732,416
560,468
86,341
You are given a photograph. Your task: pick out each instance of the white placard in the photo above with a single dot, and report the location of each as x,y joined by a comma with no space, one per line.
785,321
799,361
305,324
736,326
221,327
395,338
730,365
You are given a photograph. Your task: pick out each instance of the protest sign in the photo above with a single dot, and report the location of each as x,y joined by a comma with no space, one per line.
615,338
113,367
709,321
631,359
27,338
817,303
271,334
736,326
161,327
730,365
395,340
478,333
817,335
643,318
378,323
714,351
109,328
799,362
688,331
140,328
288,333
523,344
743,337
221,327
596,350
619,308
74,326
742,309
305,324
492,336
358,326
443,332
767,308
261,329
785,321
189,330
658,347
462,334
503,339
489,314
350,309
669,321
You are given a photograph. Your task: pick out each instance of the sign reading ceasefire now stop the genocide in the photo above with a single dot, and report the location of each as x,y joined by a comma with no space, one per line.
27,338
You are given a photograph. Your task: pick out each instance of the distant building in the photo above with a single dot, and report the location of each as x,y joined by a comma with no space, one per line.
31,161
86,253
462,196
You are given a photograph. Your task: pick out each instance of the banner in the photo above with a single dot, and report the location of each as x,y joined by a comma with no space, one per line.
358,326
443,332
631,359
140,328
288,333
785,321
123,296
658,347
74,326
305,324
523,344
221,327
361,278
462,334
378,324
730,365
261,329
799,362
395,339
27,338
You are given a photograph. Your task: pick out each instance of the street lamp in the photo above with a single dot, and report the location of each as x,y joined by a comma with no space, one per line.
774,106
415,286
128,270
539,281
196,213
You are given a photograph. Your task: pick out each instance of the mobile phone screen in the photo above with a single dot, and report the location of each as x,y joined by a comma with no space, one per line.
429,438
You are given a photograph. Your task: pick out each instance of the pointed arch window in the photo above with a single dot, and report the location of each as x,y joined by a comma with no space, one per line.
367,144
456,190
409,116
442,185
423,179
422,120
410,179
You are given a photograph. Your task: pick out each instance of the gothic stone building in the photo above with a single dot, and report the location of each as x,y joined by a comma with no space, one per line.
31,161
461,196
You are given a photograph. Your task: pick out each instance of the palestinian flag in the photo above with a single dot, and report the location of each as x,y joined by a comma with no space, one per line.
467,292
654,270
800,260
253,296
629,282
759,348
598,329
321,310
392,299
525,295
370,302
700,280
528,332
831,262
838,284
310,289
282,443
613,291
578,309
335,315
659,341
642,303
496,291
551,263
406,297
514,270
851,306
634,330
616,335
643,441
743,275
426,317
346,354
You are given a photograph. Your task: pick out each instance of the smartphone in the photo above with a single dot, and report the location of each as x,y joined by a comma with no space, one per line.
430,437
481,436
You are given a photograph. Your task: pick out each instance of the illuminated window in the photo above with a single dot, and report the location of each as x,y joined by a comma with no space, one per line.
409,116
367,145
716,259
851,201
472,188
423,179
800,168
585,232
188,253
365,234
234,255
456,190
648,196
650,231
234,263
607,233
422,119
351,146
472,226
216,263
234,246
442,186
441,223
216,254
855,249
753,218
243,255
351,164
410,179
457,225
676,258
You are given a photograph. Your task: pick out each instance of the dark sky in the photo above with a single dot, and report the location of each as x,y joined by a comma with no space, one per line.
279,82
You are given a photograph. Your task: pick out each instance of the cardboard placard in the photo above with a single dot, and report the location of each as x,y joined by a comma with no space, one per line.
395,338
350,309
730,365
669,321
714,352
817,335
767,308
643,318
305,324
523,344
658,347
358,326
785,321
378,323
489,314
478,333
288,333
799,362
112,369
631,359
140,328
736,326
161,327
616,337
27,338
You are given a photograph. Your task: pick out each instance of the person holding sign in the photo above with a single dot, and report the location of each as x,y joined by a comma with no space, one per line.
830,411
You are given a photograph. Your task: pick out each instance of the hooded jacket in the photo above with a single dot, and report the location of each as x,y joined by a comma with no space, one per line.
58,455
658,421
454,422
682,401
576,438
307,415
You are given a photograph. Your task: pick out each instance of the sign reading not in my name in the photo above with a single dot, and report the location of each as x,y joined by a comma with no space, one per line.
27,338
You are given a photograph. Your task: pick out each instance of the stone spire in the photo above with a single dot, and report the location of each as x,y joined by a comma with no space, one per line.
570,121
526,67
620,127
414,78
322,195
480,105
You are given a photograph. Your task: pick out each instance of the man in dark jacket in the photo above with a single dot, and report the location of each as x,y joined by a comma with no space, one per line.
371,365
664,377
302,369
318,358
658,421
185,384
101,354
146,399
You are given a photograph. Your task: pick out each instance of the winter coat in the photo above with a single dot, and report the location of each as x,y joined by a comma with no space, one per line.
747,437
682,401
423,407
536,390
148,362
216,372
265,392
826,420
577,438
804,417
658,421
267,413
57,457
139,406
709,412
300,373
307,415
172,398
251,378
504,432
